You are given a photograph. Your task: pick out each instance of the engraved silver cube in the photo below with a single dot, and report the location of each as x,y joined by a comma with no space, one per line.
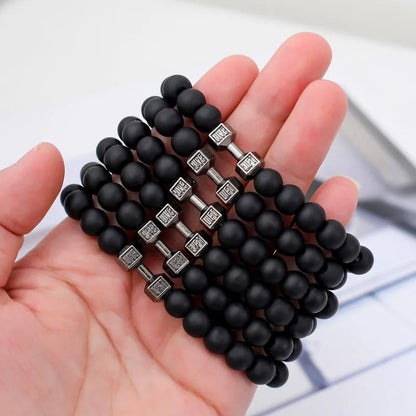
176,263
221,137
168,216
229,191
149,233
249,164
183,188
200,161
213,216
158,288
198,243
129,257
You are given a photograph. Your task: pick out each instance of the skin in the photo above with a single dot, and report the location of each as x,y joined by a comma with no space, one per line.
78,336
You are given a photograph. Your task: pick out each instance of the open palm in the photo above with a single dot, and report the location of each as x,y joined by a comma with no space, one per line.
78,336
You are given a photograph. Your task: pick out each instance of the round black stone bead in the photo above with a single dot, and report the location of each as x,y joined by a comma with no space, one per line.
167,121
290,242
197,323
302,325
189,101
218,339
280,312
116,157
311,259
111,196
206,118
104,145
349,251
280,346
310,217
134,175
237,279
185,141
86,167
258,296
363,263
151,107
249,206
130,215
341,283
273,270
172,86
282,375
112,239
95,178
153,196
237,315
123,123
253,251
331,275
196,279
149,149
289,200
295,286
178,303
268,182
330,309
331,235
217,261
76,203
68,189
269,224
215,299
297,350
93,221
232,234
262,371
240,356
133,132
315,300
167,168
258,332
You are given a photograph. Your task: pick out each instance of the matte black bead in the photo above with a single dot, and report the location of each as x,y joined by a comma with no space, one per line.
297,350
295,286
269,224
168,121
112,239
133,132
262,371
363,263
331,235
232,234
310,217
290,242
116,157
68,189
289,200
149,149
315,300
240,356
153,196
185,141
280,312
341,283
95,178
258,296
315,324
273,270
301,325
130,215
189,101
167,168
196,279
237,279
86,167
258,332
215,299
151,107
268,182
134,175
237,315
104,145
331,274
111,196
76,203
280,346
93,221
282,375
349,251
178,303
217,261
253,251
197,323
249,206
206,118
172,86
123,123
218,340
330,309
311,259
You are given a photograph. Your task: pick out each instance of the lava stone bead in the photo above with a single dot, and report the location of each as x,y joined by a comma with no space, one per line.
289,200
178,303
232,234
167,168
104,145
363,263
310,217
258,296
330,309
273,270
206,118
123,123
282,375
112,239
237,315
197,323
218,339
253,251
215,299
269,224
290,242
217,261
111,196
262,371
240,356
172,86
93,221
311,259
168,121
130,215
149,149
315,300
249,206
280,312
280,346
331,235
116,157
196,279
237,279
133,132
295,286
151,107
268,182
189,101
349,250
76,203
95,178
258,332
134,175
153,196
68,189
297,350
302,325
185,141
331,274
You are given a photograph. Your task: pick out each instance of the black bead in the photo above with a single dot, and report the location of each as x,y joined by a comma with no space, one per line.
363,263
130,215
185,141
237,315
258,332
172,86
297,350
331,274
206,118
253,251
134,175
341,283
218,340
331,235
237,279
151,107
311,259
86,167
258,296
217,261
215,299
104,145
315,300
290,242
269,224
153,196
240,356
273,270
189,101
249,206
68,189
167,168
349,251
289,200
93,221
95,178
280,312
197,323
168,121
282,375
302,325
330,309
268,182
262,371
133,132
112,239
280,346
178,303
195,279
295,286
116,157
111,196
310,217
149,149
123,123
76,203
232,234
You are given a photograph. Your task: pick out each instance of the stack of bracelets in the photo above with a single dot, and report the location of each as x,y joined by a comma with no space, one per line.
254,294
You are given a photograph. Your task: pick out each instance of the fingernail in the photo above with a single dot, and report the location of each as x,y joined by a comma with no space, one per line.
356,183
